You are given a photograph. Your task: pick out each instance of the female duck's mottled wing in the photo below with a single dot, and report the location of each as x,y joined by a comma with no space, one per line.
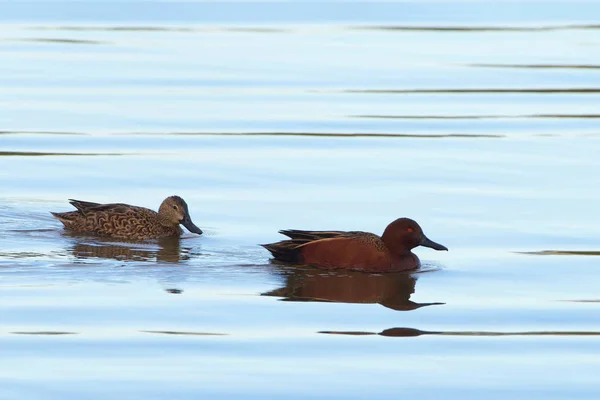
122,220
76,219
86,207
317,235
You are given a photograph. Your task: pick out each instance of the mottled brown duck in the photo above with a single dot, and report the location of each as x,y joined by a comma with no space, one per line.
355,250
124,221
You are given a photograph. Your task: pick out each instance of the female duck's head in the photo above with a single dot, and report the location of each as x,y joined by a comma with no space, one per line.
174,211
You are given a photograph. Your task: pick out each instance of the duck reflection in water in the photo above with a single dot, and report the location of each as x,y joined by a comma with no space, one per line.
392,290
166,250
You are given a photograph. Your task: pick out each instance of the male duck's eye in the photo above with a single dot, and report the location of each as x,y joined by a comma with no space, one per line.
410,229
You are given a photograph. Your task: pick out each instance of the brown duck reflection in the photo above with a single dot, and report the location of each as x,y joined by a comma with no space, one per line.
391,290
163,250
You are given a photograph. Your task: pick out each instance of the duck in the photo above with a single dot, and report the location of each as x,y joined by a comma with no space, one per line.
124,221
355,250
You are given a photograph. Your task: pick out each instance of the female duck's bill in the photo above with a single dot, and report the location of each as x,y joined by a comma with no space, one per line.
187,222
189,225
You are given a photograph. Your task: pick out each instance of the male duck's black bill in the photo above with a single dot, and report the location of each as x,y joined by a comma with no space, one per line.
431,244
189,225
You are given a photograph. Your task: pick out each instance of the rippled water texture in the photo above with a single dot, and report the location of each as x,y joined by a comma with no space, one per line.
479,120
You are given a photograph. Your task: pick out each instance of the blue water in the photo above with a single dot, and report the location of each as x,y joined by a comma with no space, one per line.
478,120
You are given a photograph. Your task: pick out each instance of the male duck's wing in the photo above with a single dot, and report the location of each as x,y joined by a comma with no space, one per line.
317,235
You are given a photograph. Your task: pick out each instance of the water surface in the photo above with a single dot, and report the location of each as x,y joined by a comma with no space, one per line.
479,121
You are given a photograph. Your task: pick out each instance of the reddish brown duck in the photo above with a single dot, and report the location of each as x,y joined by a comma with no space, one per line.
124,221
359,251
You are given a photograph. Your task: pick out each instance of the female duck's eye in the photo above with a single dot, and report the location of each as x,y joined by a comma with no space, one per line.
175,207
410,229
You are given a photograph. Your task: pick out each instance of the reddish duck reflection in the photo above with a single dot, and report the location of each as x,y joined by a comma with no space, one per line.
391,290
